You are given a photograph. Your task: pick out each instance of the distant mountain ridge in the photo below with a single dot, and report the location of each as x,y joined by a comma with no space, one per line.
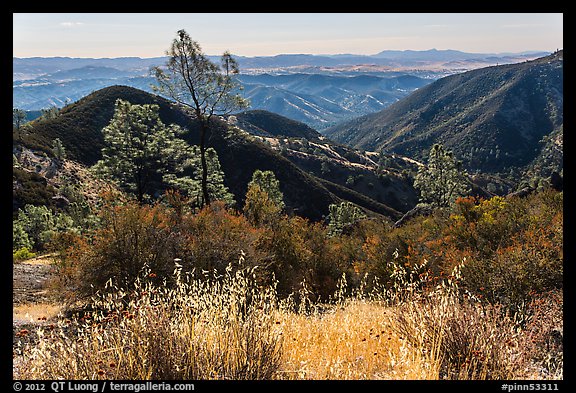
495,119
44,65
319,90
322,100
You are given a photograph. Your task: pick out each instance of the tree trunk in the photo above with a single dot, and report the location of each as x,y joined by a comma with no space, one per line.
204,182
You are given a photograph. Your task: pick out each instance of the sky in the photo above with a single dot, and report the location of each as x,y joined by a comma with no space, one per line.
102,35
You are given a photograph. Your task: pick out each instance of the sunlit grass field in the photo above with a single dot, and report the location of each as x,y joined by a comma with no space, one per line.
229,327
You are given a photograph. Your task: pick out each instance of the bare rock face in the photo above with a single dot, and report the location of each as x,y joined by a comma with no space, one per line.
56,173
38,162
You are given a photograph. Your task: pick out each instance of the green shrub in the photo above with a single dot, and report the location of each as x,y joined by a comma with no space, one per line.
22,254
20,238
36,225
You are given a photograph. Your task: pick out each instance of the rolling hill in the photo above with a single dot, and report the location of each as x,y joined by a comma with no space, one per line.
321,100
349,173
495,119
79,127
315,99
264,123
317,90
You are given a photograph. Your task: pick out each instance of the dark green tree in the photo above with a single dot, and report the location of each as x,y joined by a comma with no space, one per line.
18,117
36,225
194,81
342,215
217,189
442,180
58,149
140,150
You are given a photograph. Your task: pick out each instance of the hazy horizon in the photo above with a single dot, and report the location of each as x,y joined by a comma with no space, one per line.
97,35
283,54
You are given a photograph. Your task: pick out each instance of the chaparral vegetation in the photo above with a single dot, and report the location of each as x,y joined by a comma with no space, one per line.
166,268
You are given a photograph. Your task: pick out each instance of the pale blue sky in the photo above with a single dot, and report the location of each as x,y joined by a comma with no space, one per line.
265,34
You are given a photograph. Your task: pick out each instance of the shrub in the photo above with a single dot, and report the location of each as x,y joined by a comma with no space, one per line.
518,248
514,247
131,238
20,238
301,251
215,237
22,254
39,224
533,264
30,188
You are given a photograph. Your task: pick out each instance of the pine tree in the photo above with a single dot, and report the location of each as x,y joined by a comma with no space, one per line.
18,118
269,183
50,113
264,200
58,149
442,180
193,80
342,215
217,189
140,151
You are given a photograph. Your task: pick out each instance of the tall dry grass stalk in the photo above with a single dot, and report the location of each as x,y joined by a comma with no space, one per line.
352,337
353,340
467,339
209,327
228,327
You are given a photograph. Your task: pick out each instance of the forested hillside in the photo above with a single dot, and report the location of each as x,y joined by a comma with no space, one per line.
79,127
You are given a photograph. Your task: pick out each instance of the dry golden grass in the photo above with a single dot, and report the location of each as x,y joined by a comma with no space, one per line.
34,312
352,341
229,327
211,327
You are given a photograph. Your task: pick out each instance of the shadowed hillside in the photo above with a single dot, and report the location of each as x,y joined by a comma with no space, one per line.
79,127
494,119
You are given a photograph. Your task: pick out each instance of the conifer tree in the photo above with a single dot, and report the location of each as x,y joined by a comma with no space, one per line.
194,81
18,117
145,156
342,215
268,182
264,200
58,149
140,151
442,180
217,189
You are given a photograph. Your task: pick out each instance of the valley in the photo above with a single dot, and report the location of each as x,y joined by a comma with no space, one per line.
317,90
